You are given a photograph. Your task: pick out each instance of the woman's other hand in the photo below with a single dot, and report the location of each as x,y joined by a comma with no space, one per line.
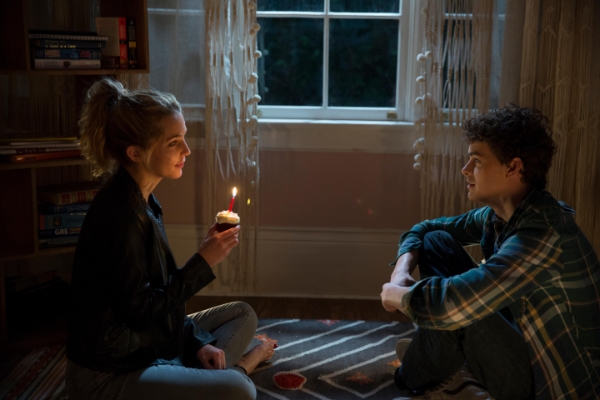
211,357
216,246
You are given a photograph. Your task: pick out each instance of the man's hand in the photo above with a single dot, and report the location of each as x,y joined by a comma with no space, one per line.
211,357
391,295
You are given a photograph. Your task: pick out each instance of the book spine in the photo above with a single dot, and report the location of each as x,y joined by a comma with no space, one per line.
46,208
71,54
59,199
58,241
131,44
123,44
40,143
65,35
33,150
45,63
66,44
62,220
41,156
57,232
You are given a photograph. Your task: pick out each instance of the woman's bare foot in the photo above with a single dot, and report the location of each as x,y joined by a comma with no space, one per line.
258,354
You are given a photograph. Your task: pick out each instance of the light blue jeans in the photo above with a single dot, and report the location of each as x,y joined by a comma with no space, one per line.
232,324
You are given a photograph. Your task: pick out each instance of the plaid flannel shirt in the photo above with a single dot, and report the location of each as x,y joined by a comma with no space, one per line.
543,268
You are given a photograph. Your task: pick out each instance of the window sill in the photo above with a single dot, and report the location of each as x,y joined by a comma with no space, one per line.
337,136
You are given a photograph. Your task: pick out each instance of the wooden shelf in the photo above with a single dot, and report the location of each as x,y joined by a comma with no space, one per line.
6,166
23,255
73,71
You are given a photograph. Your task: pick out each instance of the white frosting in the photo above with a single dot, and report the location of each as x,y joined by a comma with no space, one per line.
228,217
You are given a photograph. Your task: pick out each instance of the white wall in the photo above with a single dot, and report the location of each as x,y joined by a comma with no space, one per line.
298,262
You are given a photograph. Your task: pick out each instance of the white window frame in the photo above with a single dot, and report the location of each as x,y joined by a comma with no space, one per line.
409,44
362,132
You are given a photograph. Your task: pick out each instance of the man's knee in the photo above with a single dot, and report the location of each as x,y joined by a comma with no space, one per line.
438,240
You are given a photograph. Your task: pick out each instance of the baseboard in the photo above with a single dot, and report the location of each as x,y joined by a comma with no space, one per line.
306,262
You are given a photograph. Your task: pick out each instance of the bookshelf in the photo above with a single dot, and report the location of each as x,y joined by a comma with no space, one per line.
14,24
19,181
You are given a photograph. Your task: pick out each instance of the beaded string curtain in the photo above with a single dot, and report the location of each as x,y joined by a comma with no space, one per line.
455,70
560,77
231,129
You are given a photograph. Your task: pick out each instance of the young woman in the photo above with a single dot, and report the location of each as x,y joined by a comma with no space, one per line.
128,334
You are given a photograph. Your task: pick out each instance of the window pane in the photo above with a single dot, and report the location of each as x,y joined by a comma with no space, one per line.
363,63
291,5
290,72
172,65
372,6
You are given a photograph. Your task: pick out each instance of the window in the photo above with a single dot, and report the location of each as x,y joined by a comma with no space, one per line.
334,59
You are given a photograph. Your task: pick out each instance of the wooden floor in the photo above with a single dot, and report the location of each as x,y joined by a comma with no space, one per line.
303,308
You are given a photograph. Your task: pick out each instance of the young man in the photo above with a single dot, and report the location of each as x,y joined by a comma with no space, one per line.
527,318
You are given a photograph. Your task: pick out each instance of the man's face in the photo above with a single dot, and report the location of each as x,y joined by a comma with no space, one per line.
486,176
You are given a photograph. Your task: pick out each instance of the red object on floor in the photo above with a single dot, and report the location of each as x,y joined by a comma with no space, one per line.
289,380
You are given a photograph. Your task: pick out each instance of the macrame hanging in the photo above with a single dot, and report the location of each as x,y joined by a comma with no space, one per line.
231,129
454,84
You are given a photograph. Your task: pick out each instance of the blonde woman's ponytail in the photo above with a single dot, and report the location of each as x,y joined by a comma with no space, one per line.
114,118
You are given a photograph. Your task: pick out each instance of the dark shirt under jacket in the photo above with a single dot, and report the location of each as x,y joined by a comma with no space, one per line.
127,306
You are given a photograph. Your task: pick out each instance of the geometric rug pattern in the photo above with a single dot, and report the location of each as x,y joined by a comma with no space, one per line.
340,359
37,375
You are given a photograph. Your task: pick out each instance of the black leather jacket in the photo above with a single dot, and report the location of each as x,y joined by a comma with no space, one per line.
127,306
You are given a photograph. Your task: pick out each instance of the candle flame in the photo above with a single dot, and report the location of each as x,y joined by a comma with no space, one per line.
234,191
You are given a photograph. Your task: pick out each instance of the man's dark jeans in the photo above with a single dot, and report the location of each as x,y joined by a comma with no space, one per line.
493,347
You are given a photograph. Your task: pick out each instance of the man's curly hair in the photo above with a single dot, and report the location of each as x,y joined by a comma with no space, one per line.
515,131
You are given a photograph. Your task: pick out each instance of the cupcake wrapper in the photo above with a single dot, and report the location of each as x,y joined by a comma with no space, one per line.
289,380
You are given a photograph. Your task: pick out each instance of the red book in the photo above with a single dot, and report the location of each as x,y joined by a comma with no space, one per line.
68,193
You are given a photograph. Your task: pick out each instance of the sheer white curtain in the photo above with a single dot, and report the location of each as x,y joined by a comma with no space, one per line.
177,36
204,52
232,126
459,72
560,76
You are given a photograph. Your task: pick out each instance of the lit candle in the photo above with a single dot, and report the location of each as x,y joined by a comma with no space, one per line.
234,191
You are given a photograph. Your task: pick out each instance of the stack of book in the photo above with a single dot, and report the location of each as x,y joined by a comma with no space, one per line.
61,211
25,150
65,49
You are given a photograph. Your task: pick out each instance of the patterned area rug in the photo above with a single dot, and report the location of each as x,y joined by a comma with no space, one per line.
343,360
339,360
38,375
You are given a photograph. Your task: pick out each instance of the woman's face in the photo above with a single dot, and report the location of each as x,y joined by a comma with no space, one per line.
168,156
